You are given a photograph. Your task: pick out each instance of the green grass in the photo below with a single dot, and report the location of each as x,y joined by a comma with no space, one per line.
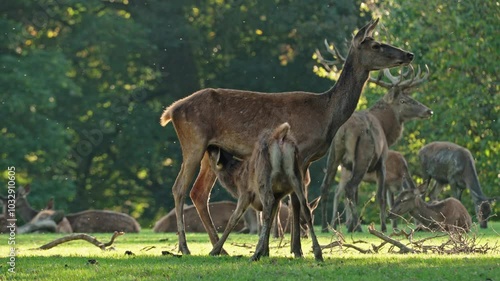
69,261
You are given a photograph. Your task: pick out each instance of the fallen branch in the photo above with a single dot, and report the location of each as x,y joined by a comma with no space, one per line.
81,236
402,248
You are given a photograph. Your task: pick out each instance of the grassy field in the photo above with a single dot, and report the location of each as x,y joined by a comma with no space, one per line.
80,260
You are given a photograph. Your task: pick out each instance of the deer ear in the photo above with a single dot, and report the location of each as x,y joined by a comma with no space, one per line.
314,203
27,189
365,31
50,204
421,188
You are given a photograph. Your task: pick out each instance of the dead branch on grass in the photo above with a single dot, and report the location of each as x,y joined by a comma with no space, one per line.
458,242
81,236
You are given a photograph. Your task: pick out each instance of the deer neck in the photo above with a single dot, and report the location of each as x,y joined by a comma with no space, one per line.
472,182
391,124
25,211
343,97
423,212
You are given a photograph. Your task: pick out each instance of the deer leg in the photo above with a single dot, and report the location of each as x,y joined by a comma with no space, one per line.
351,190
335,213
331,171
296,247
381,194
277,227
189,165
200,194
307,213
269,208
390,202
241,207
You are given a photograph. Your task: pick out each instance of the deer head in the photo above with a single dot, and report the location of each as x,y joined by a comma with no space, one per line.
398,95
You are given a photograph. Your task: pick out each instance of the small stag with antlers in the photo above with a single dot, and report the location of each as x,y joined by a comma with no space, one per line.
446,215
449,163
361,145
229,119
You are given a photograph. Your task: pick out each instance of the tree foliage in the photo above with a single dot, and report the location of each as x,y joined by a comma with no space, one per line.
83,83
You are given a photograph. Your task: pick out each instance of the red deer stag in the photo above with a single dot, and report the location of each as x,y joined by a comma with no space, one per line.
449,163
220,211
271,172
230,119
361,145
446,215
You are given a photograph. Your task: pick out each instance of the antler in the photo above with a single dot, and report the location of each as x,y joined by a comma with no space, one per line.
339,59
413,81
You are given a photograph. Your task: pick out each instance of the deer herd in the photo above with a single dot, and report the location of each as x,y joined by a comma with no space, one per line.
260,146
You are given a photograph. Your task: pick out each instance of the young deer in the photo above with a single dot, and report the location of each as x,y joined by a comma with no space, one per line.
361,145
229,119
445,215
449,163
271,172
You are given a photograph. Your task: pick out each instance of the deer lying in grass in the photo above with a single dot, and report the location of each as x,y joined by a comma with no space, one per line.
46,225
449,163
220,211
90,221
102,221
229,119
271,172
32,217
445,215
361,145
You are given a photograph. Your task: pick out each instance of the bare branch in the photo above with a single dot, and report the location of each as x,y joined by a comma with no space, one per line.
401,246
81,236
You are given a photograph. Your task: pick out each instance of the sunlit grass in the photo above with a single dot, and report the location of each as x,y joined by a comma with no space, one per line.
70,261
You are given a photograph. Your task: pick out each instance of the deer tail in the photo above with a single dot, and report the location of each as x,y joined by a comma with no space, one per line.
281,131
166,117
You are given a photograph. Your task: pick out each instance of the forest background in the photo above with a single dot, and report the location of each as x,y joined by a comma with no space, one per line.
83,84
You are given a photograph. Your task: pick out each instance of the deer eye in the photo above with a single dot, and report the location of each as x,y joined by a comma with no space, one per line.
401,101
376,46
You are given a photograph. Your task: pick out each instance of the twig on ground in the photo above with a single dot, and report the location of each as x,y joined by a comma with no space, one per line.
81,236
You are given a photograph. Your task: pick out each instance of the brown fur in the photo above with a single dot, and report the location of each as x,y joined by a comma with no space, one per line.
232,119
445,215
271,172
449,163
23,207
63,225
220,211
361,146
102,221
33,217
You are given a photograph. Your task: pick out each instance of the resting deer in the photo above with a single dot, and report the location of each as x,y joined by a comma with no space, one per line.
102,221
220,211
230,119
271,172
361,145
449,163
445,215
23,207
31,216
90,221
